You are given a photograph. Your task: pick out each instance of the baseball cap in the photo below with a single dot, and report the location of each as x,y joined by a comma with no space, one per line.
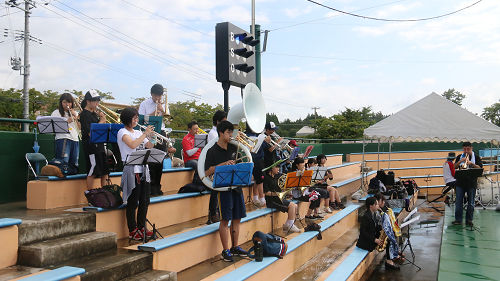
271,126
92,95
292,142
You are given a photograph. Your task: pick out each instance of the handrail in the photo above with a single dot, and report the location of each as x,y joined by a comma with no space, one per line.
14,120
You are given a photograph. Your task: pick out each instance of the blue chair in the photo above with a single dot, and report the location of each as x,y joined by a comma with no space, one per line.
35,158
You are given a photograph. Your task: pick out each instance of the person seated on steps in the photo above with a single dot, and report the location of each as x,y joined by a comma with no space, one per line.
334,198
231,202
271,188
308,195
393,254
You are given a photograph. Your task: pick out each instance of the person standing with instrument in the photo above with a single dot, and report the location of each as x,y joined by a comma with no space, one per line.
95,156
154,107
67,144
466,160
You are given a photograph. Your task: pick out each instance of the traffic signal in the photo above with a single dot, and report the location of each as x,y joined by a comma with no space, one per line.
234,55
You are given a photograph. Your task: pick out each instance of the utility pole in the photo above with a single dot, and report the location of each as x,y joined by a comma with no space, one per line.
25,71
315,108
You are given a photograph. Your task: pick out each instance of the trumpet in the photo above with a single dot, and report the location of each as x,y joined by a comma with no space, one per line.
246,140
158,138
75,123
465,164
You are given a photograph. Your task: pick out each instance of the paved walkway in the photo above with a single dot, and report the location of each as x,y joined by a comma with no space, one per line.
469,254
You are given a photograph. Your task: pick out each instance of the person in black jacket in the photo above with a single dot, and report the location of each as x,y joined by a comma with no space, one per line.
369,231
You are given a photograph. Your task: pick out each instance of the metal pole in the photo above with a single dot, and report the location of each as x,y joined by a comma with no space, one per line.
26,74
253,17
389,165
225,86
257,59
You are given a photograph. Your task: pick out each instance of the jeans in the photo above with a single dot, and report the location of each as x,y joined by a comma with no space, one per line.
68,150
459,203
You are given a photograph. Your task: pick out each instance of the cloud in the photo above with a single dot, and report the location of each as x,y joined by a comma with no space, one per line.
428,81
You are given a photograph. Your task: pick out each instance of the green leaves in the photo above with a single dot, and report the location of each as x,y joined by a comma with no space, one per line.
492,113
454,96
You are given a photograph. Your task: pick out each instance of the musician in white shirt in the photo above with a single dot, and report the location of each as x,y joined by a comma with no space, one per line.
153,107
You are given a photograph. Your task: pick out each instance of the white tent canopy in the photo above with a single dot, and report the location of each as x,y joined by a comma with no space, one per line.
434,118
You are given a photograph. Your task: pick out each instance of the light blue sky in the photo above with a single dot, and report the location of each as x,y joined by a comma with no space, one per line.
348,61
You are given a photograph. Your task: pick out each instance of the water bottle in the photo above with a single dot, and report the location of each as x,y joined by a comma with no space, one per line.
259,252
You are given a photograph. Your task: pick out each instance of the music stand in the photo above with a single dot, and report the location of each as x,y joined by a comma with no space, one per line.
408,223
295,153
233,175
52,125
298,179
277,163
319,173
200,140
308,151
143,157
469,173
104,133
155,121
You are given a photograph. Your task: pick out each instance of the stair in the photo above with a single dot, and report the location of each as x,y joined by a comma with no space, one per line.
153,275
55,251
113,265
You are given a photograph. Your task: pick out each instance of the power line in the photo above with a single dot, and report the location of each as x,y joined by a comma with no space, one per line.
306,22
136,39
380,19
169,19
372,60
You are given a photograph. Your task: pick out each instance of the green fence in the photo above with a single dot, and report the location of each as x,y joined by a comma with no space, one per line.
14,146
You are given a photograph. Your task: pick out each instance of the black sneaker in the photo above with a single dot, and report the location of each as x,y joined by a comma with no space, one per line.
238,251
226,256
341,205
455,222
153,192
313,218
159,192
318,217
469,223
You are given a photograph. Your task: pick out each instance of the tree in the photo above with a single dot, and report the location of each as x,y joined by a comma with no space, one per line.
349,124
492,113
454,96
187,111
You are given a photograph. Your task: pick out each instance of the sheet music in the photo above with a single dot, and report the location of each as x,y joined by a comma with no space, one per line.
200,140
137,157
410,214
260,140
45,124
319,173
410,221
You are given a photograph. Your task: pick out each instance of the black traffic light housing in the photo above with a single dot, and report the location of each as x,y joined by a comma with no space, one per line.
234,55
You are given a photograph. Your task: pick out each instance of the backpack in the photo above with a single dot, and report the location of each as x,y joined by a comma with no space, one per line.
192,187
271,245
410,186
65,167
107,197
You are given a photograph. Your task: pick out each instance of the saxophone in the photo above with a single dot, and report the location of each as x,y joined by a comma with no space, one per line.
382,237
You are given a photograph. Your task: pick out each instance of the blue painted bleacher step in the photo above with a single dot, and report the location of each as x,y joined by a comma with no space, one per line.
9,222
347,267
57,274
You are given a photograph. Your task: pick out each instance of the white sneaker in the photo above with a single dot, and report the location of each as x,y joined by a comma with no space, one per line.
262,204
328,210
291,229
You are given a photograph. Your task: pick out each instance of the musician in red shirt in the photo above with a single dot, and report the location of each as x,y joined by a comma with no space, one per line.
191,153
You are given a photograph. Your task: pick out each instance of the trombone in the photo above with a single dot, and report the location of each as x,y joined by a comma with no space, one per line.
167,118
110,114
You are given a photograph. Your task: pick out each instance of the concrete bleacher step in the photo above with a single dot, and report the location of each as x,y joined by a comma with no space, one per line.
313,269
60,225
113,265
55,251
153,275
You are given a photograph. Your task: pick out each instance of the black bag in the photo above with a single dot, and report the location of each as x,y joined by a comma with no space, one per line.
107,197
270,244
410,186
192,187
65,167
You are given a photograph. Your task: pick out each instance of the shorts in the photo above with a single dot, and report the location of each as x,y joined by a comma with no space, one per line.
231,205
97,164
275,203
258,175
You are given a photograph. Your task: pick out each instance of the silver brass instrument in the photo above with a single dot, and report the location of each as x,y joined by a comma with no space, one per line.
465,164
282,145
158,138
111,116
75,123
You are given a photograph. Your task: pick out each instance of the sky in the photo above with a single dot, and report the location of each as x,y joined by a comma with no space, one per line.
315,57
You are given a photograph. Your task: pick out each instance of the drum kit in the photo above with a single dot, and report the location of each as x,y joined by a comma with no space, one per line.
488,190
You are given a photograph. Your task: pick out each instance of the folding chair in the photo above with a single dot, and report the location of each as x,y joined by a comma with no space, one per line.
35,158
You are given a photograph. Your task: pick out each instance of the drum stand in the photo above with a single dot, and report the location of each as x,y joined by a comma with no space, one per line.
493,201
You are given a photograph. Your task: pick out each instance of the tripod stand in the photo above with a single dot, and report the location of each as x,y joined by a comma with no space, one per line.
408,244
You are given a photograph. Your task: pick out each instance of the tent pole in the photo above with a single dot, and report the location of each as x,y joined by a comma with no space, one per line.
378,154
363,166
390,145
